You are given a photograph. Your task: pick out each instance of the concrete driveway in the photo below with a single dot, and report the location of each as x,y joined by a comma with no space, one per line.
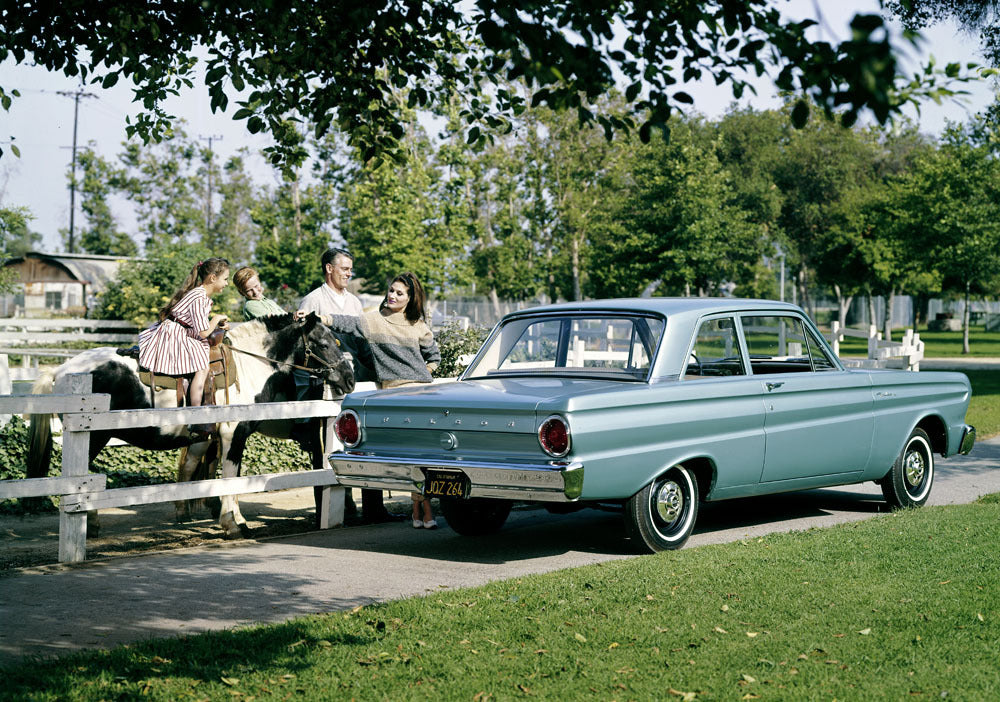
53,610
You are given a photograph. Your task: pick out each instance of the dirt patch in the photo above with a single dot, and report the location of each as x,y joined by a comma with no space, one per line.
34,540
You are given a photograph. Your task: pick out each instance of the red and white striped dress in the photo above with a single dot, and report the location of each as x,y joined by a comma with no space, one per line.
171,348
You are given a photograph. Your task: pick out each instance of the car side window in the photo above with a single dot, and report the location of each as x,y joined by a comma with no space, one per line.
821,361
716,351
776,344
536,347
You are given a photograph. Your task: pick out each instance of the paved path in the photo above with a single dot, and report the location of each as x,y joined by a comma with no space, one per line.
57,609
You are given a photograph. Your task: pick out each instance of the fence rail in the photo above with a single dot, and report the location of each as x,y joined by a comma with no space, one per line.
80,491
906,353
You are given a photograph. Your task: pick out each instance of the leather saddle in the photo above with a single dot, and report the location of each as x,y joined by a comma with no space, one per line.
220,368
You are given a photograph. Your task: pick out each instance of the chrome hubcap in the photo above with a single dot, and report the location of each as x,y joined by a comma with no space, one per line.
669,501
914,467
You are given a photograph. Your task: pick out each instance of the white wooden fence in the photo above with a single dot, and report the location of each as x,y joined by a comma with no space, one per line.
906,353
80,491
16,332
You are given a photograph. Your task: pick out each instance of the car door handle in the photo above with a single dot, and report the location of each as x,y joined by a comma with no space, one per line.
885,394
773,386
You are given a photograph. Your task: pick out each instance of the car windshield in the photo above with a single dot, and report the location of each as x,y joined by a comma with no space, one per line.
617,346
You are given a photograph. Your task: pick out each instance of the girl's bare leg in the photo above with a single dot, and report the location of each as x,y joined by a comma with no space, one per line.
195,392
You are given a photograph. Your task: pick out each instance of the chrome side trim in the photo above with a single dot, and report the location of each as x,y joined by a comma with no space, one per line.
543,482
968,439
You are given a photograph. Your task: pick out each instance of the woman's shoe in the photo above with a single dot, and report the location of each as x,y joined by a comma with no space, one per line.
417,524
432,524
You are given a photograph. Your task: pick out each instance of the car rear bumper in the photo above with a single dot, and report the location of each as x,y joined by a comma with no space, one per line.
968,439
544,482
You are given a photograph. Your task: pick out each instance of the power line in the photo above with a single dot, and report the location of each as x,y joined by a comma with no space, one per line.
72,181
208,200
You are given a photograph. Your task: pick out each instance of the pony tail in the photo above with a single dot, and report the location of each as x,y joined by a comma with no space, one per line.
187,286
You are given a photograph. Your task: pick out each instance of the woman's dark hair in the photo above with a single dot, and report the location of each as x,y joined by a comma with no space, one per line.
202,269
414,311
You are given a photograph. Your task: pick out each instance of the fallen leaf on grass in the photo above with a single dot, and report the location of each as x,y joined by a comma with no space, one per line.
724,608
720,630
865,632
231,681
686,696
980,617
752,634
748,678
580,637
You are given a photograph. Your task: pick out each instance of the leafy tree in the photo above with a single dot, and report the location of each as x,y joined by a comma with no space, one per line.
951,203
164,184
16,239
392,225
822,165
973,16
678,229
142,287
100,179
342,62
233,232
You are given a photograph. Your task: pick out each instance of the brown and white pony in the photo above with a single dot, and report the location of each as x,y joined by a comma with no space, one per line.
266,353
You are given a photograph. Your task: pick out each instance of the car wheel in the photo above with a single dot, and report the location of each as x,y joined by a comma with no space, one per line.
908,482
661,516
476,516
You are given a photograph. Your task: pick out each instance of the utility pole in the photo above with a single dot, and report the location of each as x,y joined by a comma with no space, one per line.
208,199
72,181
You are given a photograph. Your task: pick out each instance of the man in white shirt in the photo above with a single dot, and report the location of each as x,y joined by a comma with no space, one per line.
332,298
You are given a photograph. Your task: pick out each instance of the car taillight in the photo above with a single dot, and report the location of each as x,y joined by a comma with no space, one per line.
553,435
348,428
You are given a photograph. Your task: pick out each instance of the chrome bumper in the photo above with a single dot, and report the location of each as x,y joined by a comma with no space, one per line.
543,482
968,439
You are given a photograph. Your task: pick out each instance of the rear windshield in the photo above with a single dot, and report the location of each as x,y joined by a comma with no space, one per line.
600,345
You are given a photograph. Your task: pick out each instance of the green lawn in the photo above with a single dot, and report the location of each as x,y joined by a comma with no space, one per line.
902,606
984,408
936,344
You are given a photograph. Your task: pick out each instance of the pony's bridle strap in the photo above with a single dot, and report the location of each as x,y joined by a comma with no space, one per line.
323,365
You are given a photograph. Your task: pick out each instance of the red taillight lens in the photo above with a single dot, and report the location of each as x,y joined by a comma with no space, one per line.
348,428
553,435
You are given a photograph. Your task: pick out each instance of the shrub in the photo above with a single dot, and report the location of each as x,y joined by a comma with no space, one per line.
128,466
454,342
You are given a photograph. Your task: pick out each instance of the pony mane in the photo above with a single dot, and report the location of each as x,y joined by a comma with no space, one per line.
252,336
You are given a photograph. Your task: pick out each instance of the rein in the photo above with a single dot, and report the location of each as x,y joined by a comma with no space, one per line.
308,355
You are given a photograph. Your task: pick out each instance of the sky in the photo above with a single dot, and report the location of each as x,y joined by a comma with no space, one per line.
41,120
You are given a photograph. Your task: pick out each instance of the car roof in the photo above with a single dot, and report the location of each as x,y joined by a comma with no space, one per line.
667,306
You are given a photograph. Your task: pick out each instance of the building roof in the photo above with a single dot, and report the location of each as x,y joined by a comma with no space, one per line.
95,271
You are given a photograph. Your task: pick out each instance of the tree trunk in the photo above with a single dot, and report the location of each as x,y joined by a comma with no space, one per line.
965,323
871,309
575,252
495,301
887,315
843,305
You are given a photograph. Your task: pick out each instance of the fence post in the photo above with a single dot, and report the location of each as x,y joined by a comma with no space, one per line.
331,499
5,384
872,341
75,461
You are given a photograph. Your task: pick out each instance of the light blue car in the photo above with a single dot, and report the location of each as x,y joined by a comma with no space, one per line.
653,405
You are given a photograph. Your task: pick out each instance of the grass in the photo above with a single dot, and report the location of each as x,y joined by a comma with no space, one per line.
901,606
984,407
937,344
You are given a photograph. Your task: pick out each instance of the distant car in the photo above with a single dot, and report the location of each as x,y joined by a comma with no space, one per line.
654,405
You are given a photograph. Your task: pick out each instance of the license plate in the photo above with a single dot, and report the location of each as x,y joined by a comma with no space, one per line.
441,483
